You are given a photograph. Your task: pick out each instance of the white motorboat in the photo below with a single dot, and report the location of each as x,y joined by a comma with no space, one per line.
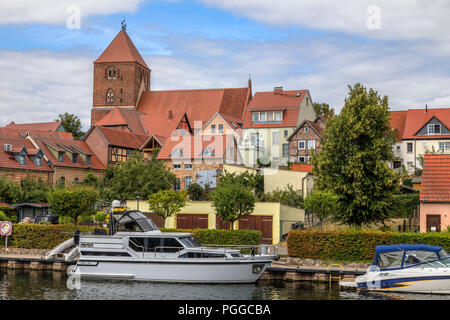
407,268
136,249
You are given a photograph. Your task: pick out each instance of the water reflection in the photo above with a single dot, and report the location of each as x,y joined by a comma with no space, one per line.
46,285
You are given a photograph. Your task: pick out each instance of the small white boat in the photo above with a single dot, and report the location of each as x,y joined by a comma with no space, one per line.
407,268
136,249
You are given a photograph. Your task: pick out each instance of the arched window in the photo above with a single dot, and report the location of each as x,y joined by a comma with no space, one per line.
109,96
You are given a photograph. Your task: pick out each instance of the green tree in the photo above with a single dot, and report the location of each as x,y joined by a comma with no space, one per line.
195,192
323,204
353,163
32,191
91,179
74,202
166,203
9,190
71,123
232,201
137,177
289,196
323,109
250,180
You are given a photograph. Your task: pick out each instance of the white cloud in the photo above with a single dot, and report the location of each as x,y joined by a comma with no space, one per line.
399,20
58,11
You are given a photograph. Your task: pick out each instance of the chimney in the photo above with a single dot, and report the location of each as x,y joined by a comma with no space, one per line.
278,90
170,115
426,108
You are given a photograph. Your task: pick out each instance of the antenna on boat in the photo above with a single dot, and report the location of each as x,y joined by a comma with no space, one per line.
112,228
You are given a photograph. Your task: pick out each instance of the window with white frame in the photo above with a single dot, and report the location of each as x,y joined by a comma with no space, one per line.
434,129
267,116
220,128
312,144
409,147
301,159
301,144
213,128
285,150
177,166
444,146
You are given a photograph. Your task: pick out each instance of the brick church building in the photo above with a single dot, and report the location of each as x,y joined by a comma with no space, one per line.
151,120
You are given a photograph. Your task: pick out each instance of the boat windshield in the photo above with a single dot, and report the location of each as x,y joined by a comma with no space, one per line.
189,241
134,221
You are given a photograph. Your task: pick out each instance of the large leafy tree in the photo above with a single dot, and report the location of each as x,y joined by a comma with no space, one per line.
74,202
166,203
137,177
232,201
9,191
32,190
71,123
323,109
353,163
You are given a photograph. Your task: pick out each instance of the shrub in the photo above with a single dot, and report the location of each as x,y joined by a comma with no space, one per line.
42,236
45,222
353,245
195,192
404,205
222,237
4,217
100,216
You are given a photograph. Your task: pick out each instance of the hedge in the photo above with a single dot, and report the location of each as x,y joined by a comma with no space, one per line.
39,236
223,237
354,245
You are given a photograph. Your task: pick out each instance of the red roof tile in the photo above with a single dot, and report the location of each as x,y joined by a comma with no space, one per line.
192,147
198,104
303,167
46,142
436,178
288,102
39,126
160,124
123,117
7,159
121,49
415,119
121,138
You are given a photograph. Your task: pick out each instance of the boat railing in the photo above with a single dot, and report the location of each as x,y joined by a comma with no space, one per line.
252,250
137,245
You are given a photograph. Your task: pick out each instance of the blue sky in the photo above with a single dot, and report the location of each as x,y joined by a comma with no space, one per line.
320,45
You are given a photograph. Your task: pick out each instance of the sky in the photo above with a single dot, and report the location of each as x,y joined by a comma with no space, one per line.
399,48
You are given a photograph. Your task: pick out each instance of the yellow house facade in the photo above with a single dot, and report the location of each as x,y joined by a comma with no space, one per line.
273,215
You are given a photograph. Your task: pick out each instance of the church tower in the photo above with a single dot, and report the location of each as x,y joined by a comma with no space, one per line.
120,77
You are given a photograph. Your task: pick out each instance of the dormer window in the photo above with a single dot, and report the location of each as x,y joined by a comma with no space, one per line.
61,156
74,158
269,116
38,161
177,152
22,159
208,152
434,129
88,160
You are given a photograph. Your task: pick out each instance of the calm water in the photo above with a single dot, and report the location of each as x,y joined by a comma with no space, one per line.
15,284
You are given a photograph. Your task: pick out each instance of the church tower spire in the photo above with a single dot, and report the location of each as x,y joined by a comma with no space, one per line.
120,76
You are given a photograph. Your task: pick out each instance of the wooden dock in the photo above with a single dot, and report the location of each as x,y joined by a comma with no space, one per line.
33,263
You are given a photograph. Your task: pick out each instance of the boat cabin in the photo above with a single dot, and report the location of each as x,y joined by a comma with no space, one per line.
391,257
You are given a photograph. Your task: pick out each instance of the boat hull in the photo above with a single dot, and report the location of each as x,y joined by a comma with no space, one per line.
436,281
174,271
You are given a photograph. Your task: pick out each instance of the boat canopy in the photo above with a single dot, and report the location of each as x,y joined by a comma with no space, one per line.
403,247
133,221
398,256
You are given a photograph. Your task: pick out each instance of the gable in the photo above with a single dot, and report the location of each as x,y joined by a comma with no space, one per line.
433,122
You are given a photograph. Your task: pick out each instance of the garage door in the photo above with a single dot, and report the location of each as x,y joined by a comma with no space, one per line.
260,223
221,225
192,221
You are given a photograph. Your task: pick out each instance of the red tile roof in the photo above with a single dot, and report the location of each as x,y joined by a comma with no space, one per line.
198,104
47,142
160,124
121,49
121,138
39,126
7,159
415,119
192,147
288,102
123,117
303,167
435,178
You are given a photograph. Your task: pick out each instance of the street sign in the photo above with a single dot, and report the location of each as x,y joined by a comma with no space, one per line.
5,228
